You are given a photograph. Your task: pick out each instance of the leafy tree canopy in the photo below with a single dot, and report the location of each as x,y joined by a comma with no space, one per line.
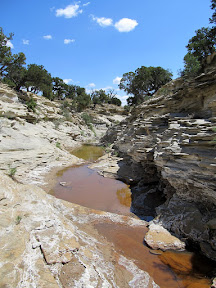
101,97
59,88
202,44
192,66
199,47
83,101
16,72
38,79
213,7
144,82
5,52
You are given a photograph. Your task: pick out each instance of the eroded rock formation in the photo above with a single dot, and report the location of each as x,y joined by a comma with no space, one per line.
168,147
47,242
33,142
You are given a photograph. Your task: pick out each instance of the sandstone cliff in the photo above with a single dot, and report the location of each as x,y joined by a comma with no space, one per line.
168,147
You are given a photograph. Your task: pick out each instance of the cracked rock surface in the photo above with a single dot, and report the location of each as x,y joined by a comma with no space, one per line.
168,150
47,242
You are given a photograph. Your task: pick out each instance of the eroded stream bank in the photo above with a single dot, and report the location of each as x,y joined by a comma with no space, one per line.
85,187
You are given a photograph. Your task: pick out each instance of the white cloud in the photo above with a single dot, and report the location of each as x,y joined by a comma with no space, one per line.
90,88
47,37
103,22
126,25
86,4
117,80
67,81
70,11
25,42
91,85
68,41
107,88
10,44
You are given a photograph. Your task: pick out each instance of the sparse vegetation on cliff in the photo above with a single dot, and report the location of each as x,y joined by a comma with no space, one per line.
12,171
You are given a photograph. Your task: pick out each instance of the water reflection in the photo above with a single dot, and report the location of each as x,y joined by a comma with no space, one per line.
88,152
124,196
83,186
169,270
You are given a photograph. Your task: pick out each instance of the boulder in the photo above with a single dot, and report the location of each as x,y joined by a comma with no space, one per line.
159,238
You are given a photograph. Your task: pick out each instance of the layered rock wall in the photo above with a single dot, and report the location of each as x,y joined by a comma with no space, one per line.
169,151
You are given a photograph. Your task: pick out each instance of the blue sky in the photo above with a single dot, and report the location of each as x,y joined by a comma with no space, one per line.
92,43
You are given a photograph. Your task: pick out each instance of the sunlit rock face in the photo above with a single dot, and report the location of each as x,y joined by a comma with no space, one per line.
169,148
47,242
33,142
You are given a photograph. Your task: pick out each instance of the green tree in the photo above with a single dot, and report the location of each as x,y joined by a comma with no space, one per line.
202,44
126,82
16,72
95,97
83,101
143,83
192,66
59,88
112,99
5,52
115,101
70,91
213,7
38,80
99,97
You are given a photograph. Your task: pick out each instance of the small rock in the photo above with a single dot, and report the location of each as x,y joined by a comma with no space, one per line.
213,283
212,224
159,238
63,183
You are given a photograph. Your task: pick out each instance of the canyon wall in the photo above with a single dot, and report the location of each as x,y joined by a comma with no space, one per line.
168,147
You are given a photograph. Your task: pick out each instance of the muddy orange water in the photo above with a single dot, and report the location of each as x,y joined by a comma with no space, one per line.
85,187
168,269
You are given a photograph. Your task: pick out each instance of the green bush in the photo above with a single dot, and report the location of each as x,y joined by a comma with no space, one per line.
87,118
18,220
12,171
192,66
31,104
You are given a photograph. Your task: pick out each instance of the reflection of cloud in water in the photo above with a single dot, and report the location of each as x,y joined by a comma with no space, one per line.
124,196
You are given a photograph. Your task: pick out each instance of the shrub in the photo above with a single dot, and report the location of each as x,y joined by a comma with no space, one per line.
18,219
92,129
87,118
31,104
12,171
192,66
